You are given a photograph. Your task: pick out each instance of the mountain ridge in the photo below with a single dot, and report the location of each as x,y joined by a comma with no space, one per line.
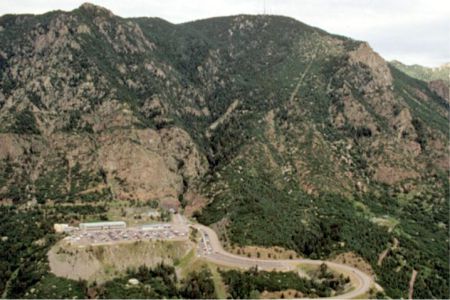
418,71
438,78
243,121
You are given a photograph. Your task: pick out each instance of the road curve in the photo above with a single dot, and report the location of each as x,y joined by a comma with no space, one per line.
361,281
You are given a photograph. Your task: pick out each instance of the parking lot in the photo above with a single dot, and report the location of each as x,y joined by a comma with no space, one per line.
204,247
124,235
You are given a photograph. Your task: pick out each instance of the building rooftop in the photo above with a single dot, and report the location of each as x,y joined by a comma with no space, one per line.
155,225
103,223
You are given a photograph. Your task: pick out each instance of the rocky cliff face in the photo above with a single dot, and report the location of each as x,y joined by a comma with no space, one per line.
438,78
61,102
138,99
440,88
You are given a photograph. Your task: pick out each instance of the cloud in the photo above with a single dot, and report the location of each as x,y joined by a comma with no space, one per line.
412,31
427,42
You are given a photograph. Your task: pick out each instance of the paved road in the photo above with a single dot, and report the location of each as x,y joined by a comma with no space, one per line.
215,253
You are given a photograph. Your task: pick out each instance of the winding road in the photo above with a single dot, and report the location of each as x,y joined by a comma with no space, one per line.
362,282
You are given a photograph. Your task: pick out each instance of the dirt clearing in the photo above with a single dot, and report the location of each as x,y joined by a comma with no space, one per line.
101,263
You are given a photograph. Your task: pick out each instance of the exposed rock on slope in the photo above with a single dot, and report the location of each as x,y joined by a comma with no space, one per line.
247,120
440,88
145,102
380,71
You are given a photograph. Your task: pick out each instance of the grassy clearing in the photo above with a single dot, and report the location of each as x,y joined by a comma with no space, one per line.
190,263
388,222
307,269
219,285
194,264
186,260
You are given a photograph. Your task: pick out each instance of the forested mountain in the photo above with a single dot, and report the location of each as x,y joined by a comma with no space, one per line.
272,131
438,78
425,73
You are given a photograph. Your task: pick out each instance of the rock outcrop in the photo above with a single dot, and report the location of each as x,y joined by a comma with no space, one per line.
103,101
440,88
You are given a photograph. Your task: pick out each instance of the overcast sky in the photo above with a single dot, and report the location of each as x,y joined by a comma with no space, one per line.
412,31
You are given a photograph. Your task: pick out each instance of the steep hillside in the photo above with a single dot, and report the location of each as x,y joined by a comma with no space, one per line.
87,104
438,78
425,73
273,132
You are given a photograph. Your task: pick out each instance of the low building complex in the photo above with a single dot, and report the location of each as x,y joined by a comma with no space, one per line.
157,226
59,228
93,226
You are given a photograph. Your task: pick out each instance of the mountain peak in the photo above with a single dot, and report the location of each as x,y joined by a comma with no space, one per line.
95,8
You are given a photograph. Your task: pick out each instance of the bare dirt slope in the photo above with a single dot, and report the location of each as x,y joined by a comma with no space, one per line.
101,263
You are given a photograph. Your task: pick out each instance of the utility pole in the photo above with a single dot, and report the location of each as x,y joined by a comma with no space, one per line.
264,11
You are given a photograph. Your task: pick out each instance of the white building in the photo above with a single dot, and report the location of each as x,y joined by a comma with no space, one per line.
157,226
60,227
102,225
